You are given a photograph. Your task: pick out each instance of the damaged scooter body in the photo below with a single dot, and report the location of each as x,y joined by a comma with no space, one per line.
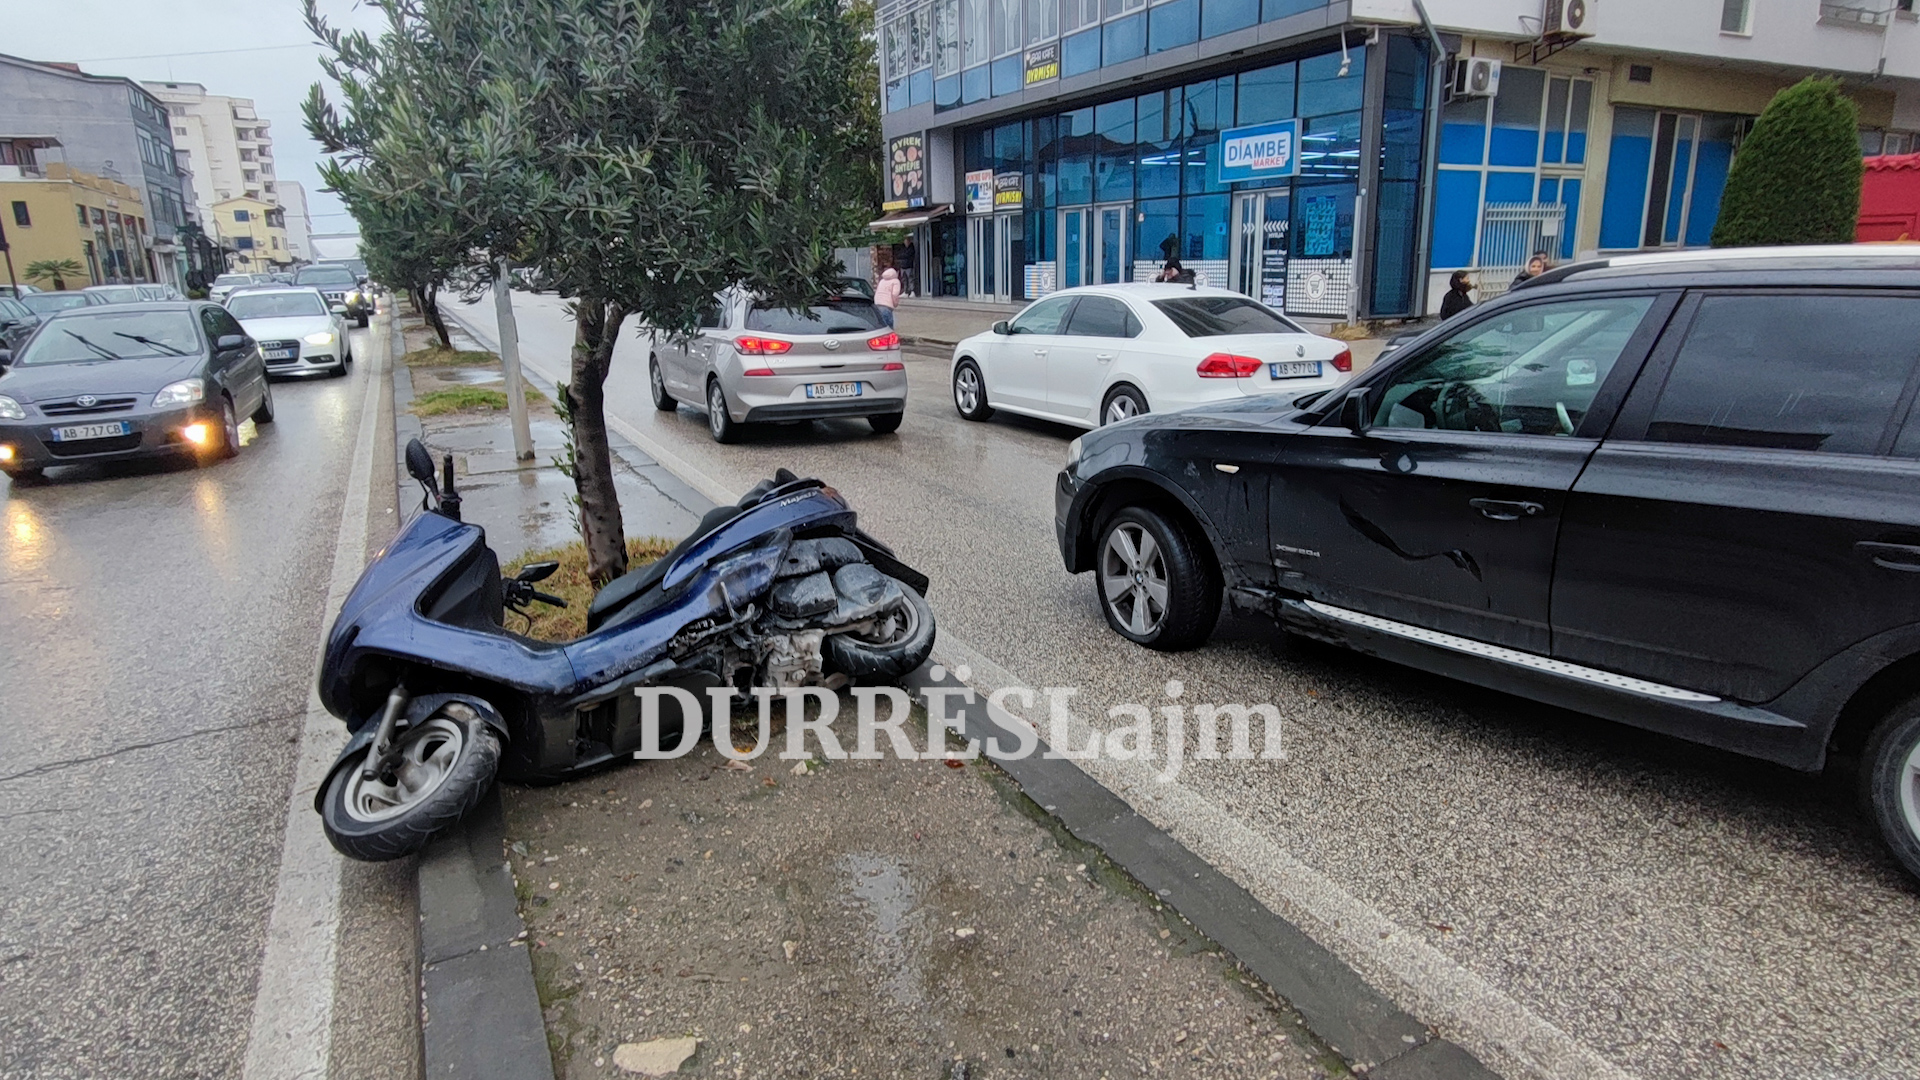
564,708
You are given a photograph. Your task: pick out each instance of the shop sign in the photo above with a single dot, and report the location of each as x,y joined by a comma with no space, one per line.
1043,64
1260,152
1007,191
906,173
980,192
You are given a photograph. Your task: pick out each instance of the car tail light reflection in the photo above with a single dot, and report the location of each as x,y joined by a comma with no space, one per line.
893,365
1343,360
884,342
1228,366
759,346
759,371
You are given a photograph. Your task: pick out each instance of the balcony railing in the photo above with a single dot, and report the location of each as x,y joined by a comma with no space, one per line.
1867,14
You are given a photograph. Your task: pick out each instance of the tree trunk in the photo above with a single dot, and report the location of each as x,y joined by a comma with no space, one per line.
596,329
430,306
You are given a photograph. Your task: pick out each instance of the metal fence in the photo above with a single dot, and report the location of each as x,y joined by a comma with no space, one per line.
1509,235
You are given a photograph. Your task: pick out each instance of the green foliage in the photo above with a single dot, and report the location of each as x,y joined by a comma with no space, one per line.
1796,179
56,271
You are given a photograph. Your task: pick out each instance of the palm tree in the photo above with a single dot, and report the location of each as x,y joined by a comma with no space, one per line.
55,270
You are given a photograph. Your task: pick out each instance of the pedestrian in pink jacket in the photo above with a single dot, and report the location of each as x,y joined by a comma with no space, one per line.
886,296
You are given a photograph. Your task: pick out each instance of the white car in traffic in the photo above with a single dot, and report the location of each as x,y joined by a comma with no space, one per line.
297,332
1103,353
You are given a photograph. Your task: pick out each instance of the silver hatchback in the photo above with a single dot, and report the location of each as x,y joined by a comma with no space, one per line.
751,362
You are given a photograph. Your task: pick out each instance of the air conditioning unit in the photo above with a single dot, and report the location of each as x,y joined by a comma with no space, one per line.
1476,76
1567,19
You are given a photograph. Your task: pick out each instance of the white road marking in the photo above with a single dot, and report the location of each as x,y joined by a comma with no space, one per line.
292,1032
1501,1031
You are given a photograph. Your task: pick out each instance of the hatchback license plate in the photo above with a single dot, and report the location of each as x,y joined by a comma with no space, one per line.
1295,369
833,389
82,432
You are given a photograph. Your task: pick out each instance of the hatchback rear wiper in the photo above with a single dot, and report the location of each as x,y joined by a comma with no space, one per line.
170,350
108,353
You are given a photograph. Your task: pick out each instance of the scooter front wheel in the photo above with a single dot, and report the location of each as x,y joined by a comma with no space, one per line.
447,762
901,642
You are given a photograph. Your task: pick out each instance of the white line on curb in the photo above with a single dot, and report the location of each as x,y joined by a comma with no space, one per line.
292,1032
1501,1031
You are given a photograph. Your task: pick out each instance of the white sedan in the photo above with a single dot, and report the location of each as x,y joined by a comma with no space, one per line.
297,332
1102,353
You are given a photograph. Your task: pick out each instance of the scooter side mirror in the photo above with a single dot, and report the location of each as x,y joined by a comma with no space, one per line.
539,571
420,463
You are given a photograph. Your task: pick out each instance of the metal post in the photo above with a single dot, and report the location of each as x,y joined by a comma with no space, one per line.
510,362
7,249
1429,163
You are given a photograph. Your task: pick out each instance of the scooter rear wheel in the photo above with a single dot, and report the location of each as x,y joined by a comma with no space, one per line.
905,645
447,763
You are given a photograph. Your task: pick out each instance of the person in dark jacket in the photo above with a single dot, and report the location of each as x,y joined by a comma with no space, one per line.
1457,300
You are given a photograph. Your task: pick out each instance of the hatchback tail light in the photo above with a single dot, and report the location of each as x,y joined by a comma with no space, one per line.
760,371
759,346
894,365
884,342
1228,366
1343,360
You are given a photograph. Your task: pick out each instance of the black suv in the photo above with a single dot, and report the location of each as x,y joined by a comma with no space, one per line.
340,287
1678,491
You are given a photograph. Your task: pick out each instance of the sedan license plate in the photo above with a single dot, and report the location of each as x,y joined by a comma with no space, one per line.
833,389
1295,369
279,354
82,432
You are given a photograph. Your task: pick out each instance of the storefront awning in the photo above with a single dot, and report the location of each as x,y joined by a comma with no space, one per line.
907,219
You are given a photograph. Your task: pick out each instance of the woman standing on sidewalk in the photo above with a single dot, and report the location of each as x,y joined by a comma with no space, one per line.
886,296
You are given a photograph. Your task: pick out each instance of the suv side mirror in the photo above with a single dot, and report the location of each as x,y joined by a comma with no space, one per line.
230,342
1355,415
6,357
1001,328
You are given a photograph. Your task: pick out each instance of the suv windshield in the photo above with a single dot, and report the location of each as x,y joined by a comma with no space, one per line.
1223,316
852,315
325,275
234,279
112,335
276,305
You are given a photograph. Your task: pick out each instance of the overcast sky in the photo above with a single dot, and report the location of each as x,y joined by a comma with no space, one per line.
257,49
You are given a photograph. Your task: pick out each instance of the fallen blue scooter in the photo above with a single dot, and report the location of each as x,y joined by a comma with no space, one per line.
781,589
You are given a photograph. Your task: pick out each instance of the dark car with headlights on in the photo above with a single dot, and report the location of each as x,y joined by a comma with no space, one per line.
1678,491
130,381
341,287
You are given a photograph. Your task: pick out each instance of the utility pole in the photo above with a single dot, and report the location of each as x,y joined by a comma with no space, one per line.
7,249
510,361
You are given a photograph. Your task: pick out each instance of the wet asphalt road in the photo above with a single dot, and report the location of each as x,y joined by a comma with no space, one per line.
1567,896
158,626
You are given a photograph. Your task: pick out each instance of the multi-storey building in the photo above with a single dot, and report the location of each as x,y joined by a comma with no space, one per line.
108,127
253,232
229,147
293,199
53,212
1339,159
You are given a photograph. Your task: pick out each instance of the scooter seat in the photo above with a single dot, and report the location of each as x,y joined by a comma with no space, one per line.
633,584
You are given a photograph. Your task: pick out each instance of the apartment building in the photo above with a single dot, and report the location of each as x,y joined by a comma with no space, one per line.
293,200
229,146
253,232
110,128
1339,159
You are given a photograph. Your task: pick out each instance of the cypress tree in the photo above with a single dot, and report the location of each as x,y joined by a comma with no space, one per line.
1796,179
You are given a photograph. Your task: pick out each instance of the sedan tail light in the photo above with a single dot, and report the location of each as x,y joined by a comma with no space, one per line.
759,346
1228,366
884,342
1343,360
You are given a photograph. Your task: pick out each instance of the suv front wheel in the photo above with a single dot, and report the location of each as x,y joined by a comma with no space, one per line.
1890,782
1156,588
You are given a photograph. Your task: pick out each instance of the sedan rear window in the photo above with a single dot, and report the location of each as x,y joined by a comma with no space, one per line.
837,317
275,305
51,303
1224,316
111,334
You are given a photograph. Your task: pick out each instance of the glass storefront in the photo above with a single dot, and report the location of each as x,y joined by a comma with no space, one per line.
1109,192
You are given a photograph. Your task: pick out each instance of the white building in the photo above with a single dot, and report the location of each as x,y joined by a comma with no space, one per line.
293,199
228,145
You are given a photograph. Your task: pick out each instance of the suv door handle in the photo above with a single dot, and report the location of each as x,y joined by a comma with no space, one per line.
1891,556
1504,510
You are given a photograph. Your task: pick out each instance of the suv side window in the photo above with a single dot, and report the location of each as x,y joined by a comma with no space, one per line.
1812,371
1102,316
1532,370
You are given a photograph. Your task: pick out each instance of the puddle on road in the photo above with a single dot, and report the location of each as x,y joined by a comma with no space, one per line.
880,886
